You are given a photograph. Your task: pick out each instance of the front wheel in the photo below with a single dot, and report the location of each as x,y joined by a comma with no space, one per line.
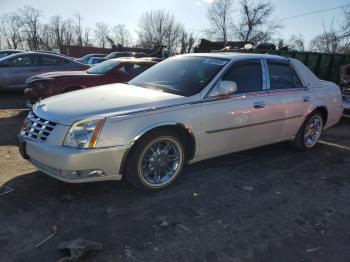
310,132
156,161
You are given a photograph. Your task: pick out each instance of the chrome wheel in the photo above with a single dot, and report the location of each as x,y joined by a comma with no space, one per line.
161,161
313,131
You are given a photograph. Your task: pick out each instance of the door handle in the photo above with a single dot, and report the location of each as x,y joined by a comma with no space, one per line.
258,105
306,99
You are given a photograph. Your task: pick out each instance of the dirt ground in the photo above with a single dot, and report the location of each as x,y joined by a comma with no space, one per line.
267,204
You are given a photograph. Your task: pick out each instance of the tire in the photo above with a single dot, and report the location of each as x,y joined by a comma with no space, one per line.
302,140
154,154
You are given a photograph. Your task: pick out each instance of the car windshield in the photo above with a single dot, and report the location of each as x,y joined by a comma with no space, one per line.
185,76
103,67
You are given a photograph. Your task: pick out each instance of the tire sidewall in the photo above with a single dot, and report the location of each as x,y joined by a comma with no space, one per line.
299,141
133,175
307,122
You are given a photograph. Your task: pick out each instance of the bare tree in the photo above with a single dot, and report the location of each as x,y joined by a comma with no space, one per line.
78,29
57,29
297,43
255,23
101,33
219,14
345,31
10,30
31,26
173,36
86,37
121,35
326,42
159,28
69,32
187,42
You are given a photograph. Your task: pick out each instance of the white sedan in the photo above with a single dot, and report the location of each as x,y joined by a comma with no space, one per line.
183,110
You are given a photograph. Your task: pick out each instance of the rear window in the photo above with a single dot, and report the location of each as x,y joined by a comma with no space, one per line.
297,80
281,75
52,61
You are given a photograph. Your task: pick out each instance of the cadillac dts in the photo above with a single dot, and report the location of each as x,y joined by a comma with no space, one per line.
183,110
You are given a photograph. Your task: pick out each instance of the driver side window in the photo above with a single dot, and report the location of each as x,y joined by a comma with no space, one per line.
247,75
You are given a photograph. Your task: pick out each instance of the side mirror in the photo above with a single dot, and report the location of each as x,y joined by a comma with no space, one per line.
224,88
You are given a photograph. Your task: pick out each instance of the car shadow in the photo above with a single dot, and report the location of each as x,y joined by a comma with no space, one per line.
233,189
12,100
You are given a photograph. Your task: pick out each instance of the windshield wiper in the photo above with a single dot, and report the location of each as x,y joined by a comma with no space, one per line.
159,87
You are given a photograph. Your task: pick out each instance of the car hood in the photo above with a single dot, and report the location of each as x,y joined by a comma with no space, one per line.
61,74
106,100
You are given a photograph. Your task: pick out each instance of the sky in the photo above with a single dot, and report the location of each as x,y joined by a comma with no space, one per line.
192,13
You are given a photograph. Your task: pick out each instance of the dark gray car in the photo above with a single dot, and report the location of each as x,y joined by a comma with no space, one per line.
16,69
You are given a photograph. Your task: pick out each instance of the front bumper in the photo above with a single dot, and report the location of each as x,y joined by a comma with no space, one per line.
56,160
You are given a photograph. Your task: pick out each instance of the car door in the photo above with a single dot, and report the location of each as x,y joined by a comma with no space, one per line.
285,86
244,119
17,70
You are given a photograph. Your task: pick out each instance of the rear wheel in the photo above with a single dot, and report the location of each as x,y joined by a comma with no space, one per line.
156,161
310,132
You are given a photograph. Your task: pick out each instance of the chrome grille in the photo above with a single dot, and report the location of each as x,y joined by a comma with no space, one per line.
37,128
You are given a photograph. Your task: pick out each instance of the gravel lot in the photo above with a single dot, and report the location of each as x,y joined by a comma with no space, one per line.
267,204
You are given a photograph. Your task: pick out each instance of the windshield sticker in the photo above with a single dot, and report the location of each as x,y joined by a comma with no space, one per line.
214,62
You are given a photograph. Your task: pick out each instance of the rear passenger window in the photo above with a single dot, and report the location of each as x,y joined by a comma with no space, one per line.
280,75
297,80
247,76
52,61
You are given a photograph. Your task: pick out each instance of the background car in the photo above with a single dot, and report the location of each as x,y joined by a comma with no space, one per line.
111,71
96,60
157,59
16,69
124,54
85,59
4,53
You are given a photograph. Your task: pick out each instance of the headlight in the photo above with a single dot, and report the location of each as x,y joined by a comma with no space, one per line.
84,134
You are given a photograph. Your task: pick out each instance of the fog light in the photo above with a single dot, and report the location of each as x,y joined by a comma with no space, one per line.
80,174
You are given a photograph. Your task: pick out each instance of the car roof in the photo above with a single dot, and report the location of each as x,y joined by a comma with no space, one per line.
11,50
97,54
236,55
38,53
133,60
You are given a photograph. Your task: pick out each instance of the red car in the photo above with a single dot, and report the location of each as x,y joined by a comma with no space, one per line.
111,71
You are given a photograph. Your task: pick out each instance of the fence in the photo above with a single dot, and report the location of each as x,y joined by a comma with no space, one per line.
325,66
